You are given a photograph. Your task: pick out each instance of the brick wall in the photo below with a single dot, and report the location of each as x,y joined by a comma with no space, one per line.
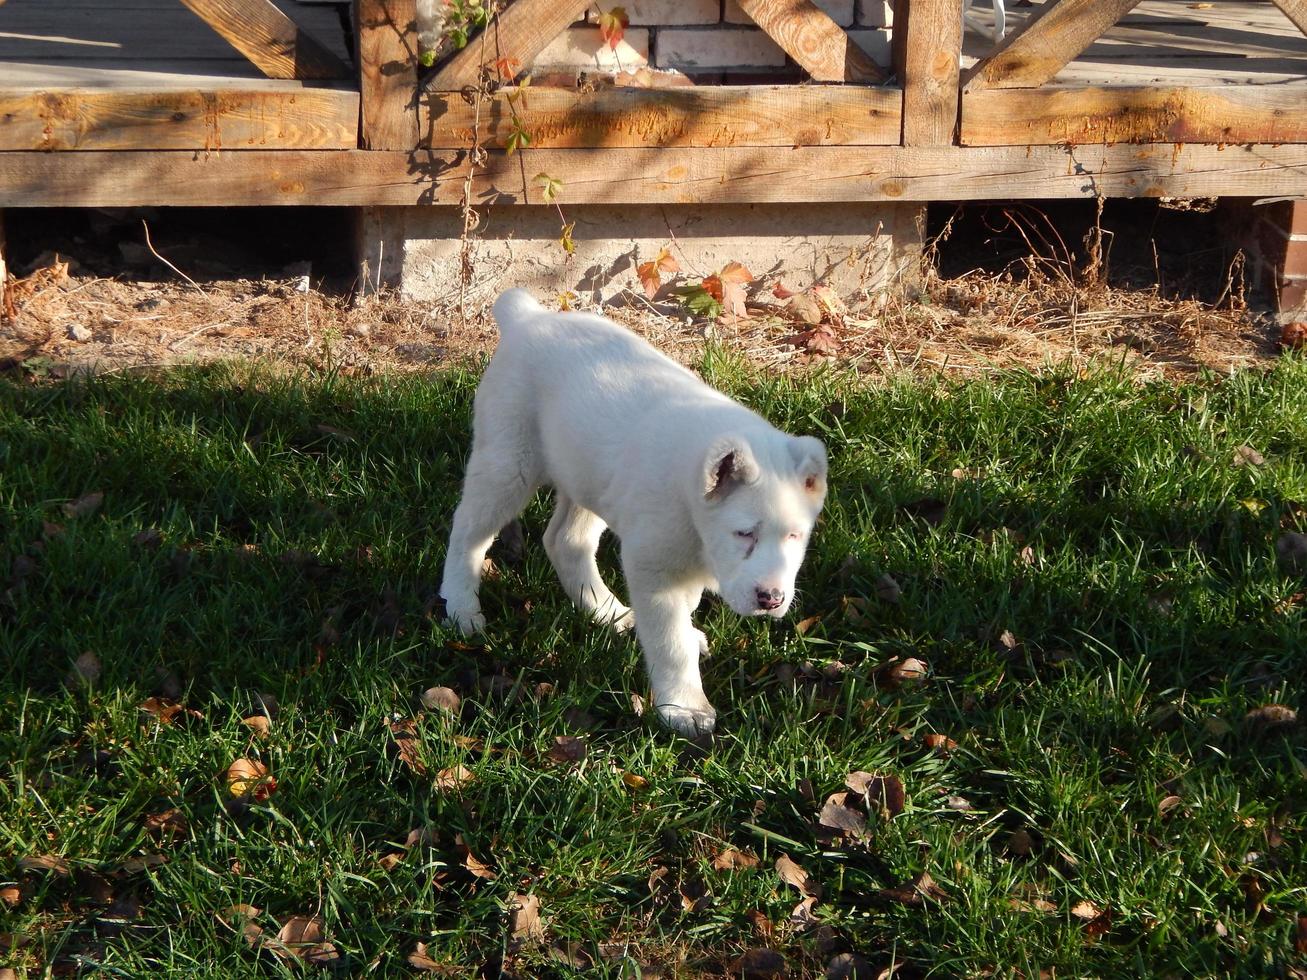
712,40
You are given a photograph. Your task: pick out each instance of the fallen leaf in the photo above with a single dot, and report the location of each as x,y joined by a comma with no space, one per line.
1086,910
851,966
419,960
443,698
733,278
793,873
49,529
389,862
474,865
637,705
567,748
1246,455
86,670
1167,804
1096,921
258,724
524,923
1020,842
801,916
85,505
404,740
1270,718
938,743
135,865
44,862
839,816
248,778
732,860
803,625
883,794
1293,336
421,836
632,781
1032,905
916,891
1300,941
454,778
764,964
168,823
11,895
301,936
781,291
899,672
167,710
888,590
695,896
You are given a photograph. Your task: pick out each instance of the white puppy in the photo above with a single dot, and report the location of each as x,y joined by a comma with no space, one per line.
702,492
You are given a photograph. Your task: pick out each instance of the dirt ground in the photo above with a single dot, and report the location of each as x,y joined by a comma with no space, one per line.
79,305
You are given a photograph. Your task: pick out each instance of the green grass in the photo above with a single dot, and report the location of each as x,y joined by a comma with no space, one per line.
1149,618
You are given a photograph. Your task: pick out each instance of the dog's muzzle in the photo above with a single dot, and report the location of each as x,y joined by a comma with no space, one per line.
770,598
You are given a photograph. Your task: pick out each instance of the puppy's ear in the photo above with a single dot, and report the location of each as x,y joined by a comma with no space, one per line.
810,463
729,464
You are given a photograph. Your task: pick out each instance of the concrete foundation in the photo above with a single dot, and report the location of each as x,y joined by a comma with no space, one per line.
854,248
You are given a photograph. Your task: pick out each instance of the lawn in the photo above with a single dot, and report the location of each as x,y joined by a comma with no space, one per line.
1044,611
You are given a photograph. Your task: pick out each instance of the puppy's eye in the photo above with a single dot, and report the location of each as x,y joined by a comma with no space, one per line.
745,535
795,535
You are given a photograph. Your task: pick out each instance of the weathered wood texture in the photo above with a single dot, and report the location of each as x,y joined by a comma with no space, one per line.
622,176
772,115
1130,114
1296,11
928,36
521,33
808,35
173,119
388,73
268,38
1037,51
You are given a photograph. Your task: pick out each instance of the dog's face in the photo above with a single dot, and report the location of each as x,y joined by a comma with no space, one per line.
761,502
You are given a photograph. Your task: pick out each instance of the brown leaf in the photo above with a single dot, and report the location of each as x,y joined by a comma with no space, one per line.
938,743
1086,910
419,960
1246,455
454,778
1020,842
695,896
804,625
389,862
258,724
883,794
44,862
1096,921
168,823
1270,718
887,589
11,895
637,705
793,873
801,917
86,671
421,836
1300,941
1167,804
167,710
632,781
732,860
149,538
443,698
249,779
763,964
50,529
85,505
301,929
301,936
899,672
404,740
524,923
839,816
474,865
851,966
761,924
567,748
915,892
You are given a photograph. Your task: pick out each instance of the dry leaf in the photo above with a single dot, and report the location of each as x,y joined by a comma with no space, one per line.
169,823
389,862
444,698
1167,804
915,892
168,710
883,794
567,748
1300,941
801,917
899,672
454,778
1086,910
732,860
763,964
1246,455
851,966
421,836
839,816
404,739
803,625
419,960
938,743
1020,842
695,896
632,781
11,895
86,670
792,873
888,590
258,724
1270,718
524,923
44,862
477,867
248,778
85,505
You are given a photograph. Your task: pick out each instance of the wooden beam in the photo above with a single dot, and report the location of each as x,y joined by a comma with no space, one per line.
178,119
809,36
1136,114
521,33
268,38
1058,31
387,47
645,176
1296,11
929,44
744,115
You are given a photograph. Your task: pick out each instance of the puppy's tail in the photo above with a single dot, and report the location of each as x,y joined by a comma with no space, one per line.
514,306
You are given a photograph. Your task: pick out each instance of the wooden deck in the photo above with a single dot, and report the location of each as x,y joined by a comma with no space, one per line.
135,102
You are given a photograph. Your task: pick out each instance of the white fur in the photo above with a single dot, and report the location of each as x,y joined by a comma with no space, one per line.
632,441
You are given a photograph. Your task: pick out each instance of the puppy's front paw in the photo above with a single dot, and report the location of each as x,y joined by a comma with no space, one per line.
468,619
689,722
623,622
704,650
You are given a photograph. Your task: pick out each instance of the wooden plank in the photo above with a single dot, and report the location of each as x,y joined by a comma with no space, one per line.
1036,52
1296,11
388,73
1214,114
268,38
178,119
1236,72
521,33
630,176
808,35
763,115
929,38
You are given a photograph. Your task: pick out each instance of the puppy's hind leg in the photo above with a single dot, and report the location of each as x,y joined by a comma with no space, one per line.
571,541
496,488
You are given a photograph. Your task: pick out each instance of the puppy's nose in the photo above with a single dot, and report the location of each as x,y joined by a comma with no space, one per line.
770,598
